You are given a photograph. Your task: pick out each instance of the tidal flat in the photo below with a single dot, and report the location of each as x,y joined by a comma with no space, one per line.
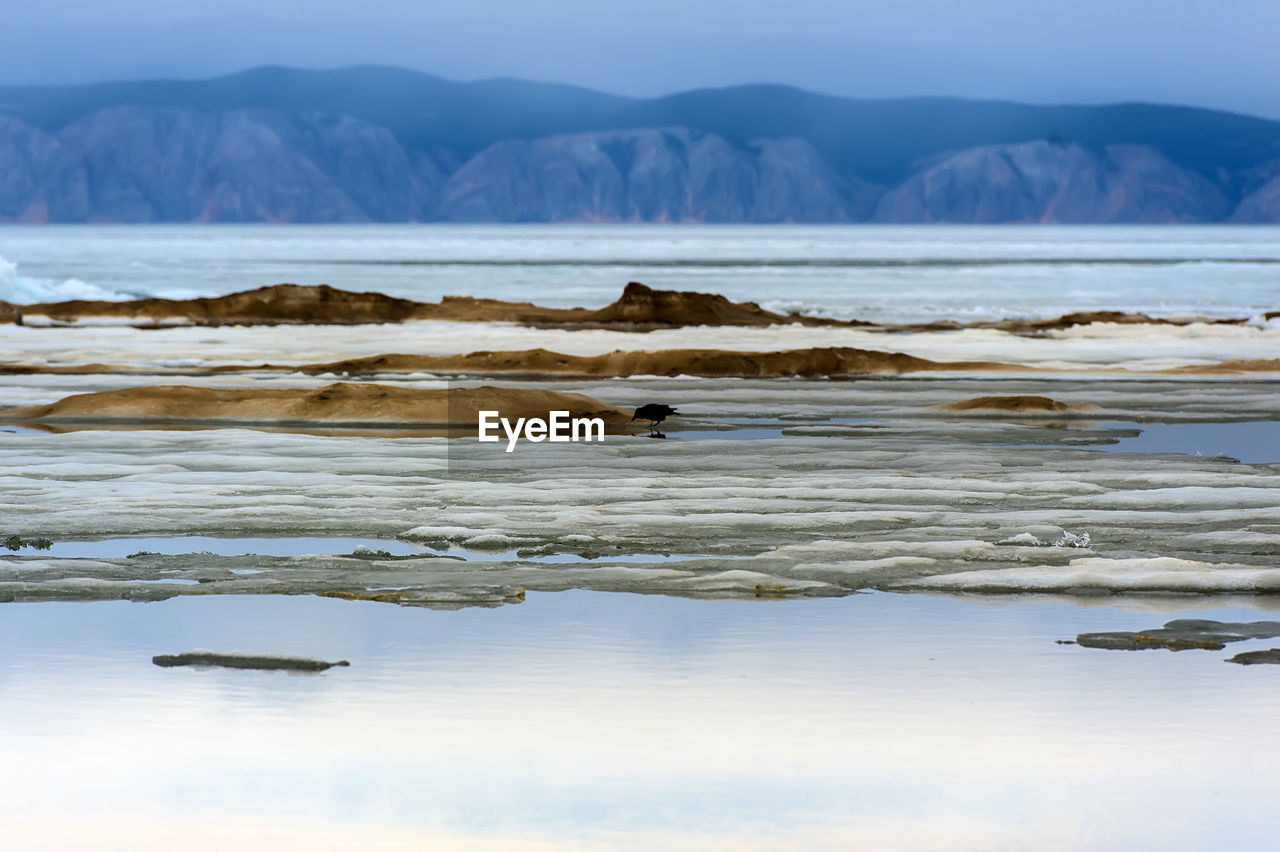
843,596
848,486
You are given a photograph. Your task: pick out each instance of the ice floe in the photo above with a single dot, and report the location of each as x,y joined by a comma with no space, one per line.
1097,346
912,501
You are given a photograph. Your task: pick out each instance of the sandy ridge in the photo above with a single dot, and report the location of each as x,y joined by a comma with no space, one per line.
339,403
816,362
639,308
708,363
1021,404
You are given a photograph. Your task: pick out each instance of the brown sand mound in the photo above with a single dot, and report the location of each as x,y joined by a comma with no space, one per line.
710,363
1090,317
640,308
831,362
275,305
341,403
1016,403
643,306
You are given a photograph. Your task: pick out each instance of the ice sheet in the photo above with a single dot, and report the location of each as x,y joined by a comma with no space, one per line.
915,499
1082,347
800,406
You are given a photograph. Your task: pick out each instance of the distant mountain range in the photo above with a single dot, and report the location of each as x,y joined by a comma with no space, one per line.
383,144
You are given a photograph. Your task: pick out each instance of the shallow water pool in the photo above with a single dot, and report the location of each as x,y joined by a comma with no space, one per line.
1254,441
884,721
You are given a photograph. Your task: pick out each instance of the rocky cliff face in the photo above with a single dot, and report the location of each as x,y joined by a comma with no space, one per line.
150,164
662,175
1261,202
1047,182
41,179
171,164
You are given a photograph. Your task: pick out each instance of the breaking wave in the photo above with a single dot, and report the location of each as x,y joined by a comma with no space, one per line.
23,290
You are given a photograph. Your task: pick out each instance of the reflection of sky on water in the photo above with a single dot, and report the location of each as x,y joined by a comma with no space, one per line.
906,721
1255,441
1252,441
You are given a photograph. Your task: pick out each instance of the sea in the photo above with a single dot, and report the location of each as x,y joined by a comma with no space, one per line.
876,273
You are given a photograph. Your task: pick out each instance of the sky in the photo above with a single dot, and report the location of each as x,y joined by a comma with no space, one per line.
1219,54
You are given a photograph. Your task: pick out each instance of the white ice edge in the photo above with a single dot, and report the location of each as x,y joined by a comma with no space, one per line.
1083,347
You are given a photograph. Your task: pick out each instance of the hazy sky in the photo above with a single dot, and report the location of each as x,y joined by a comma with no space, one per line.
1201,52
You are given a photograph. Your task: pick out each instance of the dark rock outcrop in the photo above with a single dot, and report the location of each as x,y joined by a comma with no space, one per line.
240,660
1183,634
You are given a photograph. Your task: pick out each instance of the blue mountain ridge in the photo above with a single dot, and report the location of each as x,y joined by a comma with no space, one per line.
384,144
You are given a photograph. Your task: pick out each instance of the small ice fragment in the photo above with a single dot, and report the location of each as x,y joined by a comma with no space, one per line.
489,541
1028,539
1072,540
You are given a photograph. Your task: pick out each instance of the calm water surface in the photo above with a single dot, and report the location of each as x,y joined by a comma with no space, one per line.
873,721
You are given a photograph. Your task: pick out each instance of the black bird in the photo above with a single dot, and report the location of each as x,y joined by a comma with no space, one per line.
654,412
